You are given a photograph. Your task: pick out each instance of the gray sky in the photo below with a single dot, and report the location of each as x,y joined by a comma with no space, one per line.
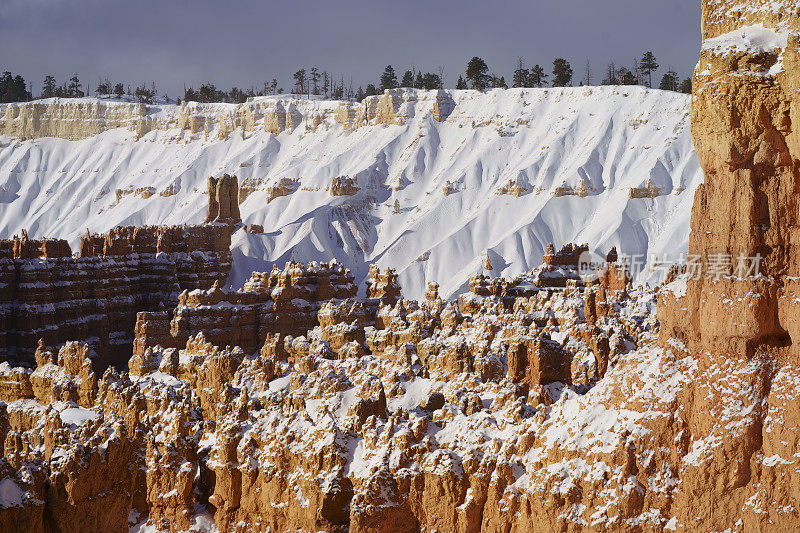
245,42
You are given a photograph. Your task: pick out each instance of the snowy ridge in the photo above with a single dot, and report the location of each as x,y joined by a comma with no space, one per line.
549,146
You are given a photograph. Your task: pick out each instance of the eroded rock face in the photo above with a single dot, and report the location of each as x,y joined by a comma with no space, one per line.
382,415
74,119
223,200
538,403
285,302
734,312
745,101
47,293
344,186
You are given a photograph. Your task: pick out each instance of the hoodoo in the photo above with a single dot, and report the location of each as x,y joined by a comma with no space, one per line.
223,199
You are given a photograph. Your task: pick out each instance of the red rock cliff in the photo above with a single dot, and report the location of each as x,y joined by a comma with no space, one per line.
46,293
746,213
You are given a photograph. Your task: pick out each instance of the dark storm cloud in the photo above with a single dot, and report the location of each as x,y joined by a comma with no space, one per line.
245,42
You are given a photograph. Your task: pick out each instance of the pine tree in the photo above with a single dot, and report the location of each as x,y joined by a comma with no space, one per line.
371,90
119,90
299,81
146,96
74,87
49,87
669,81
7,90
461,84
431,81
562,72
477,73
611,75
104,87
538,77
207,93
419,81
588,78
337,91
388,78
501,83
686,86
396,209
521,74
648,65
315,80
627,78
408,79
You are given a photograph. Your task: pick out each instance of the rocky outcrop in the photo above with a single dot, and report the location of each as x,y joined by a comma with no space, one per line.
614,275
79,118
47,293
559,270
744,245
733,312
344,186
284,187
281,301
248,186
223,200
382,285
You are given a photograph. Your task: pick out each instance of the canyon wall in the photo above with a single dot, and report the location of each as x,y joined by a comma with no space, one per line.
503,171
76,119
744,246
283,302
542,402
734,311
47,293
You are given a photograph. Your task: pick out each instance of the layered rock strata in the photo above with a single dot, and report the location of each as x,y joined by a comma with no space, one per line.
47,293
733,313
284,301
76,119
744,245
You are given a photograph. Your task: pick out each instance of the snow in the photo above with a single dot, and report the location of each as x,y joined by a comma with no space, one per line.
754,39
162,377
415,391
280,383
77,415
612,138
27,405
202,522
10,494
748,39
677,287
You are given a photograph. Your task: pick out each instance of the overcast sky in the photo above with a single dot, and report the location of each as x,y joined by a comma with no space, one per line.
245,42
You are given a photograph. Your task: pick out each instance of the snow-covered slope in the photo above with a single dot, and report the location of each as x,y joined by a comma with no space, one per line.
546,141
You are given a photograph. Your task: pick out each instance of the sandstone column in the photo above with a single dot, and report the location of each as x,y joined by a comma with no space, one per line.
223,199
745,215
